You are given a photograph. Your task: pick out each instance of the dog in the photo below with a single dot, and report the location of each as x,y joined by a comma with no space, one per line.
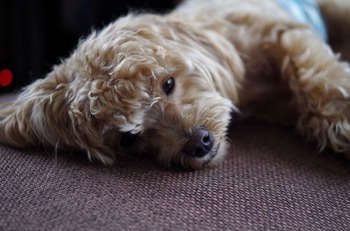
168,85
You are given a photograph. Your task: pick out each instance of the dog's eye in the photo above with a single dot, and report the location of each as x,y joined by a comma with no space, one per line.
127,139
169,85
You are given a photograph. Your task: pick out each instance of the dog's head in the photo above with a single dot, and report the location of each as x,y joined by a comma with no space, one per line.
143,85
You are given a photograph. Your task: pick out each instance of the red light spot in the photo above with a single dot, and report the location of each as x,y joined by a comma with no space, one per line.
5,77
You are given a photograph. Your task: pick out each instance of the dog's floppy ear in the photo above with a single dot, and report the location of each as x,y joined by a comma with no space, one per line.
39,115
52,111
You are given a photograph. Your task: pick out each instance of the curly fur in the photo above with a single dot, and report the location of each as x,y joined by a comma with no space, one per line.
225,56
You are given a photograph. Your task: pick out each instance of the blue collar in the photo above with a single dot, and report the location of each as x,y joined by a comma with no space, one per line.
306,11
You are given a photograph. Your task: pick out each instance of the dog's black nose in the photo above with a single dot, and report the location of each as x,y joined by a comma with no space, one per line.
199,144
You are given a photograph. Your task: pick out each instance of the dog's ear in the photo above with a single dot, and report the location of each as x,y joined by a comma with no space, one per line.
54,111
39,115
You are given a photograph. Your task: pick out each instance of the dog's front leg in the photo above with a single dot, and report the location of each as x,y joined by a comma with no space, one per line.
320,85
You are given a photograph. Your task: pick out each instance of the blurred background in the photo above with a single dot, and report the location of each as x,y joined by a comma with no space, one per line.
36,34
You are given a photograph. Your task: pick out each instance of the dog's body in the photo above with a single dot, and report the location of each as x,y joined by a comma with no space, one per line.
167,85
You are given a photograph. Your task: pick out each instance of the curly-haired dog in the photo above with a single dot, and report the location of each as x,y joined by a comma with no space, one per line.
166,85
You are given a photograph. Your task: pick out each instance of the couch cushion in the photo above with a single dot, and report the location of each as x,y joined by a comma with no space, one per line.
271,180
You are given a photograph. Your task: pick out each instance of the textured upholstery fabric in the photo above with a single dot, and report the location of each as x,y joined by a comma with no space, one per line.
271,180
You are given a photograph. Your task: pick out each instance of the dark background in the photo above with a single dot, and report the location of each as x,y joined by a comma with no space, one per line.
36,34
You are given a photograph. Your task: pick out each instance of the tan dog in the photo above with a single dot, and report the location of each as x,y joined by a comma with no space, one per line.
167,85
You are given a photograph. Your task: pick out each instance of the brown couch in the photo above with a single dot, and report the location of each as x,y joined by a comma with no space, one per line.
271,180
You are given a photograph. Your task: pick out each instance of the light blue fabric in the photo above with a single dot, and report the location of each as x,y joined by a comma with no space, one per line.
306,11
